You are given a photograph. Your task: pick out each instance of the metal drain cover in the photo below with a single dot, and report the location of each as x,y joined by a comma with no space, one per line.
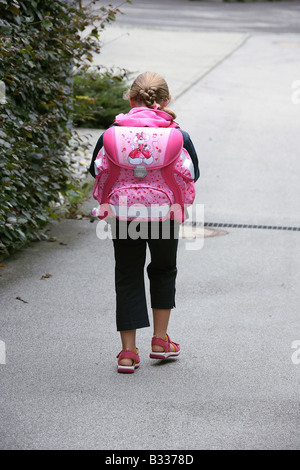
189,231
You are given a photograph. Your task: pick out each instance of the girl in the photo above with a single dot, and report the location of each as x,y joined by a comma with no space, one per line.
148,96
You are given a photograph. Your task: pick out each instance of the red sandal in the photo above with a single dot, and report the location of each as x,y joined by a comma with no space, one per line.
127,354
166,344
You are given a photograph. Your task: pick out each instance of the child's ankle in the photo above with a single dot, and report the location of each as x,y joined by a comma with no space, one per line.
161,336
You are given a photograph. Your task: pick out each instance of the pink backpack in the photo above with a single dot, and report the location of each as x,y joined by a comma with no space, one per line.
143,173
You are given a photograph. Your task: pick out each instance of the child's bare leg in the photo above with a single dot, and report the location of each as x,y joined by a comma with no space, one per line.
128,342
161,319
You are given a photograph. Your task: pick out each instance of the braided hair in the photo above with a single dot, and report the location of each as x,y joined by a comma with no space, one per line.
149,89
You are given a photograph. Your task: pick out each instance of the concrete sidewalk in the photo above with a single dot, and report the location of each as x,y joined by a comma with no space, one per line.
235,385
182,57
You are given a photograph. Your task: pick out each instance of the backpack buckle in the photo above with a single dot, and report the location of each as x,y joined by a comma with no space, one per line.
140,171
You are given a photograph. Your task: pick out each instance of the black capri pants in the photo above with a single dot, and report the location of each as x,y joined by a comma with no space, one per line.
130,258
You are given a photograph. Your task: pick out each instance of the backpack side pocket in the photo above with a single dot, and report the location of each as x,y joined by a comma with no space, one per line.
184,175
101,172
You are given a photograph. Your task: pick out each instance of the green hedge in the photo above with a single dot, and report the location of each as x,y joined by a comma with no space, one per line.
99,96
41,44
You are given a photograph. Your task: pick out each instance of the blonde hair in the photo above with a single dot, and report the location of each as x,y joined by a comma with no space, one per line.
150,88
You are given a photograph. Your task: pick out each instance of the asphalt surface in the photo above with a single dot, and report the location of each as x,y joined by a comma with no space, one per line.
244,122
206,50
236,384
259,17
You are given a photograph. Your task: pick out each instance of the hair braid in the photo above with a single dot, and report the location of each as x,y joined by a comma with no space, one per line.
148,96
150,88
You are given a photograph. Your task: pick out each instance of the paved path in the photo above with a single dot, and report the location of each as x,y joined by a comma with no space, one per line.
245,123
185,57
213,16
235,385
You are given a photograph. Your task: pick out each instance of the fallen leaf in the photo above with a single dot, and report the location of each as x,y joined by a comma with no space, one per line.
46,276
2,265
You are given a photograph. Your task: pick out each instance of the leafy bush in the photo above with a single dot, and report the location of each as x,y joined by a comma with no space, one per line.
41,43
99,97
